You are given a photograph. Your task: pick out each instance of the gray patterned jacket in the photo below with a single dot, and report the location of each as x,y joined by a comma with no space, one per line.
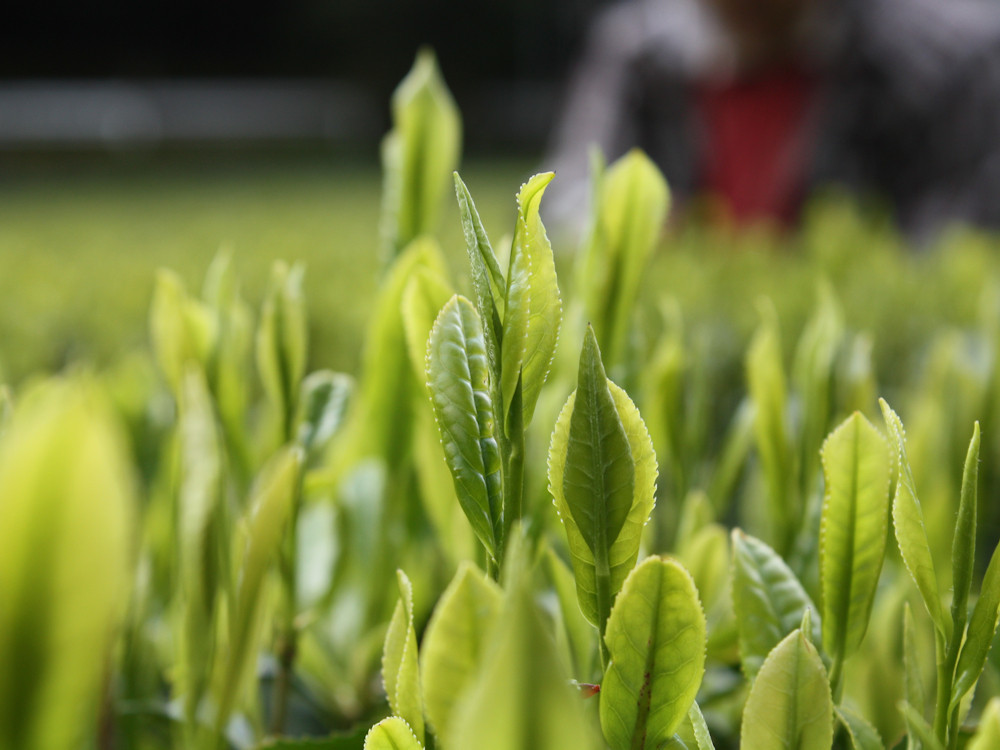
910,108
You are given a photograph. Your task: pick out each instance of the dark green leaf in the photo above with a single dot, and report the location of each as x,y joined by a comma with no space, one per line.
599,478
768,600
625,549
458,380
487,279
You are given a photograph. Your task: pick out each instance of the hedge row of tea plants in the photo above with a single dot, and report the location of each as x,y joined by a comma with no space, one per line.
536,518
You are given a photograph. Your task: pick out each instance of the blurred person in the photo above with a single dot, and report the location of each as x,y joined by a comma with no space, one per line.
758,102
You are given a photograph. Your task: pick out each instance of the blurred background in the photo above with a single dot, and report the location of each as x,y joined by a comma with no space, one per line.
135,135
119,75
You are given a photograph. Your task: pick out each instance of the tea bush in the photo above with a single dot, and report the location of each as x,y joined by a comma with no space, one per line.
619,513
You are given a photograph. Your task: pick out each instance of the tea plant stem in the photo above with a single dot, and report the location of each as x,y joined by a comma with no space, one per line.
946,673
836,677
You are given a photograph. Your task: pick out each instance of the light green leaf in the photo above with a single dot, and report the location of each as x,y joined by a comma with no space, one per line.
862,734
987,736
325,396
400,668
458,381
766,385
272,500
656,636
979,636
908,523
532,306
487,280
202,538
853,531
418,154
812,374
380,419
392,734
66,511
918,727
789,705
282,340
963,548
702,738
424,296
633,200
182,329
579,632
455,641
768,600
521,697
623,549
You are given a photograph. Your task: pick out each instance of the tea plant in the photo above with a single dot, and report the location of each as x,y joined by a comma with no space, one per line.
537,519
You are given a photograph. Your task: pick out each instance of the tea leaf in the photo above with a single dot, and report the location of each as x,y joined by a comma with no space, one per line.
599,479
487,279
862,734
532,306
702,738
521,697
418,154
458,380
963,548
908,523
656,636
424,296
918,727
380,418
579,632
812,374
768,599
979,636
766,384
633,201
272,500
282,340
622,549
987,735
202,537
853,531
392,734
455,641
325,396
400,670
66,510
789,703
181,329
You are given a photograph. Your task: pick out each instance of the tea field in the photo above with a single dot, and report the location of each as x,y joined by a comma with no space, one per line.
300,455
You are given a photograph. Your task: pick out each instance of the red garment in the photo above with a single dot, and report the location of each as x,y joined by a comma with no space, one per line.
758,137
